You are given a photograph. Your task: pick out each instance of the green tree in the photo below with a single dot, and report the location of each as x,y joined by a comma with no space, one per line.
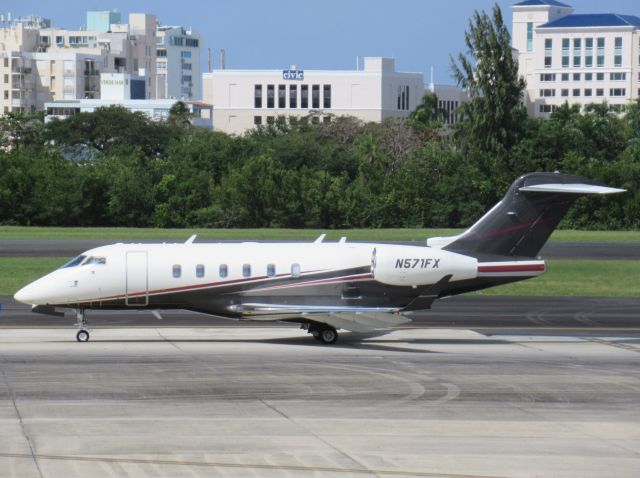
179,115
494,116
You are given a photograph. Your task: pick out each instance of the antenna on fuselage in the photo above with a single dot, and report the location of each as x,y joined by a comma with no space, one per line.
320,239
191,239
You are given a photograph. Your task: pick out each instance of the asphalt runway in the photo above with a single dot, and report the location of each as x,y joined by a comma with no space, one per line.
477,312
552,250
268,402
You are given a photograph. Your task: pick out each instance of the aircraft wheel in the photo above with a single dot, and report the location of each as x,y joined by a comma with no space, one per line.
82,336
328,335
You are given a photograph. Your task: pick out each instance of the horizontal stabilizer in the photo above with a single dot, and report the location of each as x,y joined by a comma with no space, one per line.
571,189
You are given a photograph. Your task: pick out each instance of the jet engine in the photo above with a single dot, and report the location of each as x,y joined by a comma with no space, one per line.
414,265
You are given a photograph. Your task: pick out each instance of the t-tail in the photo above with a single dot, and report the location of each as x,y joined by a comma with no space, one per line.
520,224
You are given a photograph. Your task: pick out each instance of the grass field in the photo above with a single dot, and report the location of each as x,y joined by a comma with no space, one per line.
563,277
131,234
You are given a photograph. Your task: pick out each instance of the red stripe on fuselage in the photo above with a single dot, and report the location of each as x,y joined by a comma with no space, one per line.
513,268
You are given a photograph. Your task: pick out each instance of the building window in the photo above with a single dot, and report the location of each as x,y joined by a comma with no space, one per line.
282,96
588,77
529,37
600,92
617,59
548,52
618,92
295,270
588,54
271,119
326,119
246,270
186,78
191,42
257,120
161,53
257,96
200,270
545,77
186,66
576,77
564,92
547,93
293,96
315,97
600,57
547,108
577,52
223,271
304,96
599,76
270,96
588,92
326,96
576,92
177,271
271,270
185,54
617,76
565,52
565,77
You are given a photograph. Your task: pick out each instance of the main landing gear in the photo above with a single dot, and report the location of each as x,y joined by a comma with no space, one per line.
323,333
83,334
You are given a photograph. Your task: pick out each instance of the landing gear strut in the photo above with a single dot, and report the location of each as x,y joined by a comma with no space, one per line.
323,333
83,334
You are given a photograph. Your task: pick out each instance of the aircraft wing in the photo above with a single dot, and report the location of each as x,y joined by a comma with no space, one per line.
355,319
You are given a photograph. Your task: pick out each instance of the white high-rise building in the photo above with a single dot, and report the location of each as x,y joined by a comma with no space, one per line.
244,99
575,58
40,64
178,64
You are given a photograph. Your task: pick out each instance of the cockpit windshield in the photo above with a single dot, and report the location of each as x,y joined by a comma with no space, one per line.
74,262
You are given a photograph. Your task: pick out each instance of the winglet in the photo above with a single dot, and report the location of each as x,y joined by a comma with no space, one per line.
342,240
191,239
320,239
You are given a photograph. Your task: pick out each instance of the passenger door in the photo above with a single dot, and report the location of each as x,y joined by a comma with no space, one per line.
137,286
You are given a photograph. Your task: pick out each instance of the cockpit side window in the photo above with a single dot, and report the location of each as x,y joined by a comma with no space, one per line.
74,262
95,260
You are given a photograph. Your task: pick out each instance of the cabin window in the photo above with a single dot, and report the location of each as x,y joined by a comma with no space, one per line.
200,270
295,270
177,270
224,270
246,270
271,270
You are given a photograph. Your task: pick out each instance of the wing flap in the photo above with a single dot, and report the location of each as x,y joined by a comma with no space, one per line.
355,319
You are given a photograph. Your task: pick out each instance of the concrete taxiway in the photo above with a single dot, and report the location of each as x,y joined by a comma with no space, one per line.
271,402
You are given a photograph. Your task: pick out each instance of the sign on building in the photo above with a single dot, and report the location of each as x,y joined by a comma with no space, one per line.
293,74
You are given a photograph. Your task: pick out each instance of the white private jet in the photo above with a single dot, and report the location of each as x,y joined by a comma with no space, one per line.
322,286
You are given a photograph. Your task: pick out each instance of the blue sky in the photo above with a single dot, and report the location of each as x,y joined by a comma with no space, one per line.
326,34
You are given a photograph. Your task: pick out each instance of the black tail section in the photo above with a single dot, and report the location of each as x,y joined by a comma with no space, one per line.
521,223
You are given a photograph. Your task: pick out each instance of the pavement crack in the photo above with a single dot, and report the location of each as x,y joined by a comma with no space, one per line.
363,467
21,421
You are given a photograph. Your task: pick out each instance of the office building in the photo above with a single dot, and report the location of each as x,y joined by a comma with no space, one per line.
39,63
575,58
178,64
244,99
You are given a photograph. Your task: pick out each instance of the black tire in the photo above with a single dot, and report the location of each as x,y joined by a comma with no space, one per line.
328,335
82,336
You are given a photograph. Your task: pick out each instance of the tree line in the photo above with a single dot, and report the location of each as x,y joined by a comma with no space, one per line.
114,167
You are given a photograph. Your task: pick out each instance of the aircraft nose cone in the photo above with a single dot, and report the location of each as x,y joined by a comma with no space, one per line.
25,295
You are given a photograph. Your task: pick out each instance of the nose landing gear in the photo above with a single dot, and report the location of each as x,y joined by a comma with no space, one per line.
83,334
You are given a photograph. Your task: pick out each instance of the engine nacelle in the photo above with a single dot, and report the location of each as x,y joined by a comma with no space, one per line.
414,266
